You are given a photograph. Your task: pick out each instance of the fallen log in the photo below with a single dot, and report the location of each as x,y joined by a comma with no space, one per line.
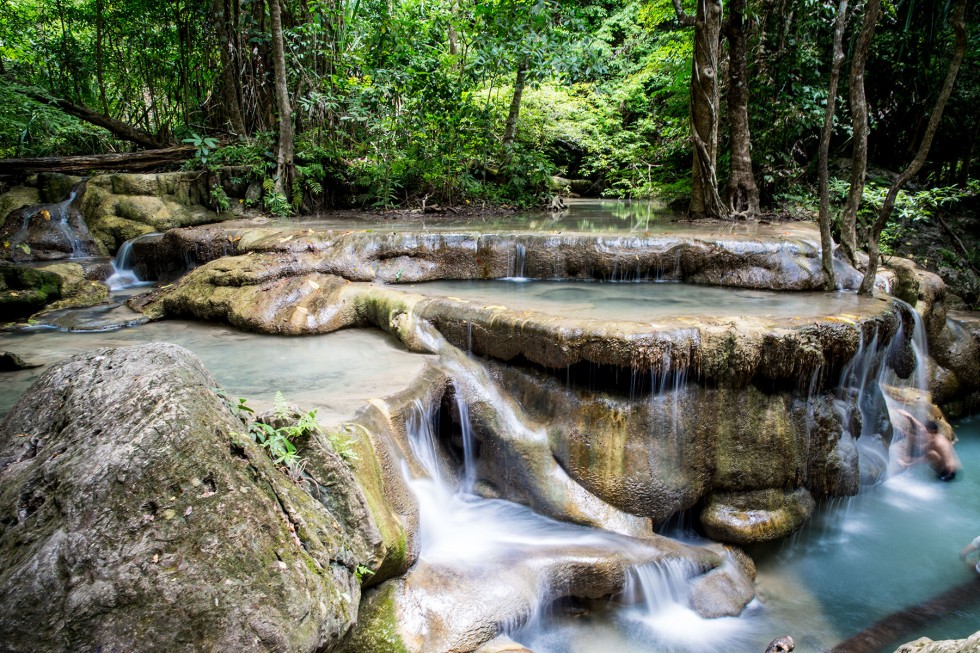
142,160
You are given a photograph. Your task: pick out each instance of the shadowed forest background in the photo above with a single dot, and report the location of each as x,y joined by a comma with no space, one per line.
411,103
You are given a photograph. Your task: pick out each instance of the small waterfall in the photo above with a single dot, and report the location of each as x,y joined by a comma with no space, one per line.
71,234
654,588
59,217
517,268
659,592
124,273
469,445
423,442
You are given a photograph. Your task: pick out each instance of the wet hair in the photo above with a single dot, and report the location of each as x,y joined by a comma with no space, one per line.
931,426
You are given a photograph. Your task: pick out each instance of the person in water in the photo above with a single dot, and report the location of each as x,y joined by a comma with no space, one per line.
970,549
936,449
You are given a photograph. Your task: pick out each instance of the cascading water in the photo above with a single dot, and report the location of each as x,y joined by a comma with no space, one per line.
517,269
123,273
462,532
72,234
39,221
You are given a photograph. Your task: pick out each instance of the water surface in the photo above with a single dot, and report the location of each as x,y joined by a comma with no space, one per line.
642,302
337,373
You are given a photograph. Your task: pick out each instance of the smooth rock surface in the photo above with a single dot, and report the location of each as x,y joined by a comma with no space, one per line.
133,518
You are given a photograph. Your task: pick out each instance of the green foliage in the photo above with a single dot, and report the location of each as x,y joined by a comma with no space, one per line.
342,441
278,441
404,102
219,199
275,202
361,572
203,145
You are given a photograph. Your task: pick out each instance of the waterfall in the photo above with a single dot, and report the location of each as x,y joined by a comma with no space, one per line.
659,596
59,217
124,274
517,269
469,445
71,234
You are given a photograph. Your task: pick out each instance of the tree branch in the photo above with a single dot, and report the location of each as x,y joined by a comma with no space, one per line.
683,17
116,127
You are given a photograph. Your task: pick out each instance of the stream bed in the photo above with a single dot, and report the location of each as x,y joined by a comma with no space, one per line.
856,561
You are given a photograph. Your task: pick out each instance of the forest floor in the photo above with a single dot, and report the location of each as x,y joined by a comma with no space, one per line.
932,247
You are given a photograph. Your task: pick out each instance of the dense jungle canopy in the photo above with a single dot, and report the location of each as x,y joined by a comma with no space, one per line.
367,102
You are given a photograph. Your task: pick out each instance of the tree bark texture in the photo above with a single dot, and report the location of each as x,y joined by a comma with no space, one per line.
142,160
826,242
510,127
284,159
957,21
859,118
230,98
742,195
116,127
705,200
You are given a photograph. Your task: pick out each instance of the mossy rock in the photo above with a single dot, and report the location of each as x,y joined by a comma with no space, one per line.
113,231
55,187
77,291
754,517
136,517
377,629
15,198
25,290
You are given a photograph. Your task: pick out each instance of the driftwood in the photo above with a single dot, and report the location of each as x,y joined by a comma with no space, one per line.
143,160
905,622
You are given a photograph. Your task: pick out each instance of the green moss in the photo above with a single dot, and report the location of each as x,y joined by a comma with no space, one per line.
377,628
25,290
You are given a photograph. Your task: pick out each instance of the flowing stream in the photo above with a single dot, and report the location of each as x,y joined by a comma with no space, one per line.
857,560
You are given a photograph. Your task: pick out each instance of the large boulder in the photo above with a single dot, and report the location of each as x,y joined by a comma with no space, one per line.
135,516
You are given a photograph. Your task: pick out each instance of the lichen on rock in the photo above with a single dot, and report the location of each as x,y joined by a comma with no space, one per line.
133,517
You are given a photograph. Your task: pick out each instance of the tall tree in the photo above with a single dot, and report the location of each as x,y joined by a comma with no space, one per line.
226,12
510,126
705,200
826,242
285,159
884,213
742,194
859,122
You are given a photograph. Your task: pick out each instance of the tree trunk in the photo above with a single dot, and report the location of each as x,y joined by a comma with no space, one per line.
510,127
99,34
230,101
826,242
118,128
705,201
874,233
859,118
284,160
742,193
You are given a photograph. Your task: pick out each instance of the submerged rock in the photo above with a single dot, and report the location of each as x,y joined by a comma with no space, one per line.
11,362
132,517
757,516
